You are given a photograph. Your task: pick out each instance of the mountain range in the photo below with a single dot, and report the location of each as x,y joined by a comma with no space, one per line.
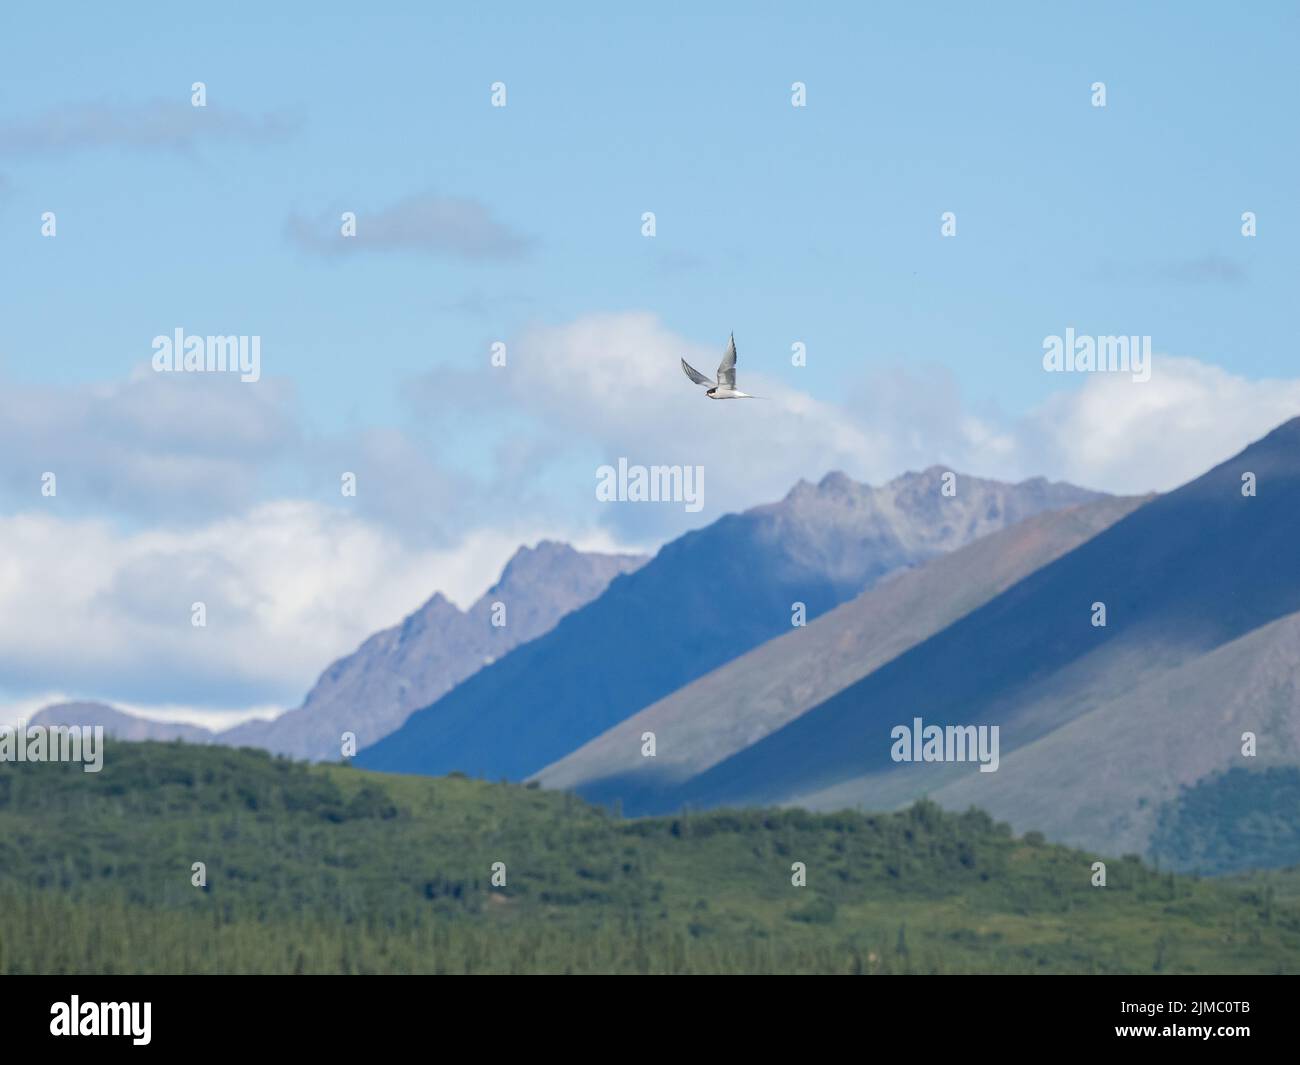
1137,656
735,705
370,691
1100,725
704,599
118,724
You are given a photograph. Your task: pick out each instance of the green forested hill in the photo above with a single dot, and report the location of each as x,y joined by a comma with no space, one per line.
1224,818
328,869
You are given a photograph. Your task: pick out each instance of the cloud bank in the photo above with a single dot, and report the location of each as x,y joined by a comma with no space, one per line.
95,599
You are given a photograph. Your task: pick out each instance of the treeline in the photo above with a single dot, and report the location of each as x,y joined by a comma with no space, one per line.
1226,819
323,869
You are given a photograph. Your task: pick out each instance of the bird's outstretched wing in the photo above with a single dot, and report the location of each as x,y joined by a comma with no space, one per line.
727,368
695,374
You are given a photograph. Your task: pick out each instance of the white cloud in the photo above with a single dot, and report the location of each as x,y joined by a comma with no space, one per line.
620,373
161,446
1124,436
613,383
102,609
288,587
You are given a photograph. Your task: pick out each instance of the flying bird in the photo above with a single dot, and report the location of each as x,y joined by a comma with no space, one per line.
725,386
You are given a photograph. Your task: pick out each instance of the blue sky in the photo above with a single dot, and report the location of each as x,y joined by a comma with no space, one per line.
819,225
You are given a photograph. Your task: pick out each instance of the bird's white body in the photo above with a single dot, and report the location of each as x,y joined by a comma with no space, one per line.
725,385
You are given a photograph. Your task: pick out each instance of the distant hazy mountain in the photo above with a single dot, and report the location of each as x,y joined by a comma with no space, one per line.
1097,724
737,704
371,691
706,598
118,724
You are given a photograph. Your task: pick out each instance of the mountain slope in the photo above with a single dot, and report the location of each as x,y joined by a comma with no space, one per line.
1110,771
371,691
752,695
705,598
1188,572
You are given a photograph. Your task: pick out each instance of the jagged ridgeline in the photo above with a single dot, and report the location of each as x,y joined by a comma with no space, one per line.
330,869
